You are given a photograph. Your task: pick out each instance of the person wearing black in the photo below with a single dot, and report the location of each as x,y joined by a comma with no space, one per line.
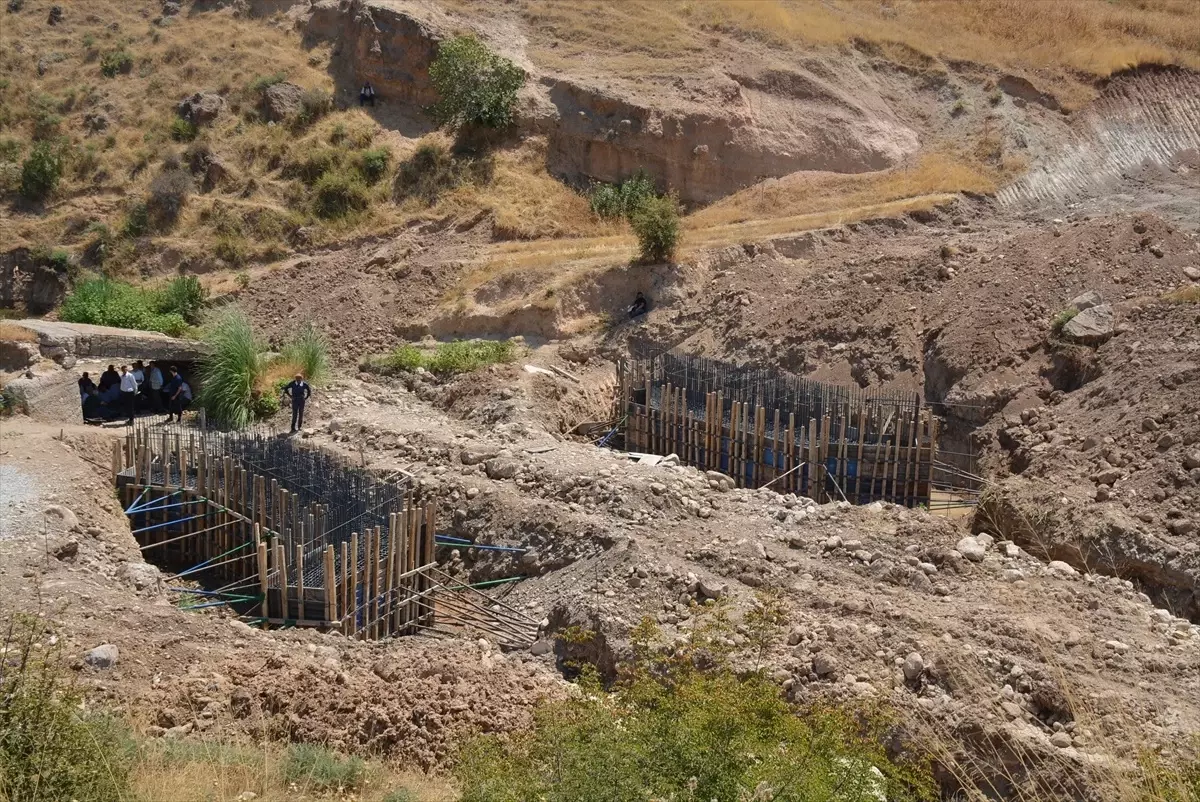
93,409
87,388
366,95
108,378
299,391
640,305
172,391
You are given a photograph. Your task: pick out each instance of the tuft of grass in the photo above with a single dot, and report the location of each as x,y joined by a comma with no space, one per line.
183,130
261,83
41,170
230,371
309,352
185,296
1061,319
1185,295
429,172
373,164
405,357
11,332
465,356
321,770
49,749
338,194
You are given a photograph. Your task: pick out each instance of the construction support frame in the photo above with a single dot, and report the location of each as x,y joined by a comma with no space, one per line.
768,429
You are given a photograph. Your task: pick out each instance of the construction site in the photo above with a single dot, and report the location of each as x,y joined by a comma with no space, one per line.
903,430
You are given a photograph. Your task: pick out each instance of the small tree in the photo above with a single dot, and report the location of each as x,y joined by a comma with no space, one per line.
41,170
475,86
656,223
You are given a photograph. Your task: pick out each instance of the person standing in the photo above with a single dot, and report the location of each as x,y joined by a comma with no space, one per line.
129,390
87,388
172,392
299,391
109,378
156,387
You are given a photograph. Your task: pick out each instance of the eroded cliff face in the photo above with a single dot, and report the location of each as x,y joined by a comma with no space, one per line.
705,137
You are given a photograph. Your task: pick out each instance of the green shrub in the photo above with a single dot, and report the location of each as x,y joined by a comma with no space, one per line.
49,749
673,731
464,356
310,351
405,357
60,260
338,194
317,769
264,405
373,164
230,249
614,201
656,224
432,170
262,83
1061,319
314,164
475,86
183,130
116,61
230,370
104,302
137,220
41,170
184,296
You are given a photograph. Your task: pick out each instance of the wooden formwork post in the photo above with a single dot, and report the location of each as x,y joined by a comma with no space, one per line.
330,586
282,574
263,569
352,569
300,582
344,582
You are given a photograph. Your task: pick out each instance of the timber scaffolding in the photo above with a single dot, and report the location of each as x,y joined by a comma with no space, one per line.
290,536
763,428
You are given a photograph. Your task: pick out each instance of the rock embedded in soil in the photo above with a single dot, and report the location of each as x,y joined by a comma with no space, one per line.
103,656
914,666
972,549
1092,326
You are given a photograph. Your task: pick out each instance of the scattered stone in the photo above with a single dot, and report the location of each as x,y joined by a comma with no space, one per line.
103,656
823,664
501,468
473,455
1060,739
282,100
1108,476
1157,250
56,15
914,666
972,549
1087,300
68,550
711,590
541,647
1060,567
1192,272
1092,326
1191,460
201,107
60,518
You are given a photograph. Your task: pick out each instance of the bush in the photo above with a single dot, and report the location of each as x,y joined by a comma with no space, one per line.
673,731
373,164
613,201
318,769
116,61
230,371
104,302
464,356
262,83
184,296
137,220
314,164
314,104
432,170
168,194
41,170
338,194
310,351
405,357
48,748
475,86
656,224
183,130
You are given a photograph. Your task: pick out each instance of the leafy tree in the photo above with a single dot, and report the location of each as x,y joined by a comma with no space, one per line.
656,224
475,86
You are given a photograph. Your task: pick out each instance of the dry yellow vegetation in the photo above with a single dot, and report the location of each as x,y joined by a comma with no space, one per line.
1064,43
11,332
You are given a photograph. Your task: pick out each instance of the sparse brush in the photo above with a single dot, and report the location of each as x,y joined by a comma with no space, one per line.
1185,295
373,164
168,194
405,357
261,83
183,130
49,749
430,171
614,201
184,296
465,356
116,62
313,164
229,371
338,194
313,767
309,351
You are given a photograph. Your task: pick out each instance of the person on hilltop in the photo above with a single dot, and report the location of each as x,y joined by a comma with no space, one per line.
640,306
366,95
299,392
129,390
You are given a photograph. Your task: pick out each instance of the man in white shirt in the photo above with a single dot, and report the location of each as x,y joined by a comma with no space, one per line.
156,385
129,388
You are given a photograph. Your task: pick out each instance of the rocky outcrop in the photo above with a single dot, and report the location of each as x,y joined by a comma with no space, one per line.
201,108
281,101
25,285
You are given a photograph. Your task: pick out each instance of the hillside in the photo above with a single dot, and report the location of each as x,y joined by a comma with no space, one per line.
989,210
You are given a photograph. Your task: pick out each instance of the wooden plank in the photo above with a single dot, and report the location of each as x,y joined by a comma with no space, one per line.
719,432
814,490
858,466
760,428
735,421
376,566
934,423
841,450
282,572
876,482
300,582
910,469
330,586
262,576
789,446
344,583
775,448
352,569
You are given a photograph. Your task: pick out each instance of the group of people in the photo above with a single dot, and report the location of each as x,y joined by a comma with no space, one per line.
138,387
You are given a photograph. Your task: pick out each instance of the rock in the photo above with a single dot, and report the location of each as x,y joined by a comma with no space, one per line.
972,549
711,590
1060,739
169,9
1086,301
201,107
914,666
96,121
1157,250
1092,326
281,101
502,468
1192,272
56,15
215,172
60,518
1060,567
473,455
540,647
1191,460
143,576
103,656
67,550
241,703
823,664
1108,476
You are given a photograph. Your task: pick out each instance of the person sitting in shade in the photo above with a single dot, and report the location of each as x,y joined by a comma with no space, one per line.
93,407
86,385
366,95
109,378
640,306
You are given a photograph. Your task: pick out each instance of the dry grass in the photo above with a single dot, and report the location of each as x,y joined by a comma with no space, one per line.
11,332
214,771
1065,43
1185,295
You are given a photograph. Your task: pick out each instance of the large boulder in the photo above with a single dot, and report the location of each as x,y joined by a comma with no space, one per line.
201,108
1086,301
282,100
1092,326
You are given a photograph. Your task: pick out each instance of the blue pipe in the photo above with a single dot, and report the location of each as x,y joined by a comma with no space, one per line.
151,503
168,523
